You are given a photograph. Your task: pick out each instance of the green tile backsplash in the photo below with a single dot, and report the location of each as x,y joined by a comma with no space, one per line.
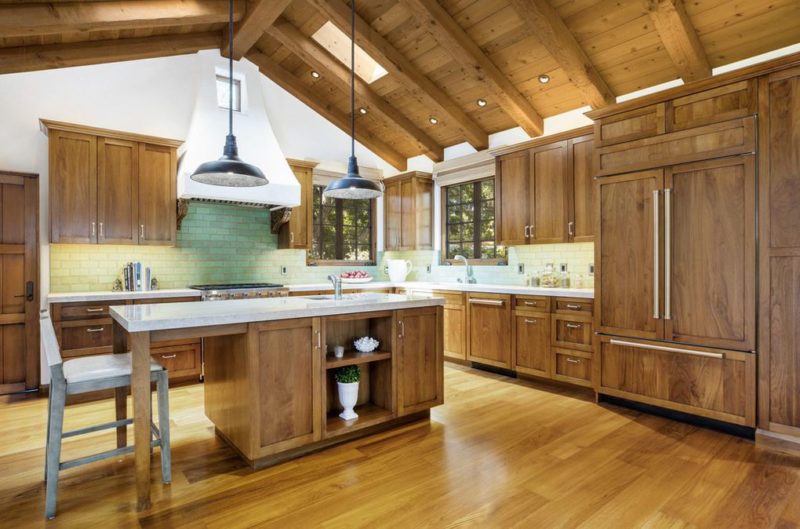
222,243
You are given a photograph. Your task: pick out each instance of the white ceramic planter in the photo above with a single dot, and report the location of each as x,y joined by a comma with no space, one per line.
348,397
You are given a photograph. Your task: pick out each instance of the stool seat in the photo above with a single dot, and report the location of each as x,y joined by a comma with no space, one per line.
89,368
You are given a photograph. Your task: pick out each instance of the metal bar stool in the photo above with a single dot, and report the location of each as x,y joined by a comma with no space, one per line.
93,373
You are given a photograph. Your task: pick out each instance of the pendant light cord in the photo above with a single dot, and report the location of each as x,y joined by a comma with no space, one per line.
230,68
353,78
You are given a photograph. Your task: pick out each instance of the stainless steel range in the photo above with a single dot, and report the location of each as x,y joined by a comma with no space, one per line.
241,291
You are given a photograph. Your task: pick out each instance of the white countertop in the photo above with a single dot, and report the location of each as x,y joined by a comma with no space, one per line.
161,316
67,297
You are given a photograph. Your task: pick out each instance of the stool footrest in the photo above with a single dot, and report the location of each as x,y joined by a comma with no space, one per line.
104,426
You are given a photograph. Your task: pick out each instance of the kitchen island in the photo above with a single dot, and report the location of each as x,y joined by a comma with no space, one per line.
269,384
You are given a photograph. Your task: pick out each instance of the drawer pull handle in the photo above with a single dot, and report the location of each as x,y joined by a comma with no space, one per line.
96,329
94,309
624,343
167,357
531,321
573,307
573,361
574,325
532,303
494,302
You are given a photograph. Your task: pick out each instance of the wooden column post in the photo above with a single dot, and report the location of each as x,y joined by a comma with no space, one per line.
140,386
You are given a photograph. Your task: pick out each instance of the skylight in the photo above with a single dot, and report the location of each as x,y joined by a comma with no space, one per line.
338,43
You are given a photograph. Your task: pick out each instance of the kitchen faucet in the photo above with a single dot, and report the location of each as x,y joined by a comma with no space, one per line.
337,286
467,270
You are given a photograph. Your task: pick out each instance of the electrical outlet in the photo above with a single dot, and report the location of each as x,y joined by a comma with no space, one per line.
591,269
284,271
521,268
562,267
428,269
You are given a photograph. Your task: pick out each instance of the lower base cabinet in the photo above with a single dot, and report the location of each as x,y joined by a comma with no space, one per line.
713,383
532,343
420,364
489,329
572,366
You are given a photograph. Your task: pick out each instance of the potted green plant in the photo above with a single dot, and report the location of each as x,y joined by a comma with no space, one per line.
347,378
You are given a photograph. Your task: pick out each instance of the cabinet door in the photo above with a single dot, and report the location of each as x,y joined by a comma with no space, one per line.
73,187
288,363
117,191
512,190
489,329
580,227
296,234
532,343
548,193
157,195
709,274
407,215
392,215
420,363
627,255
423,214
454,323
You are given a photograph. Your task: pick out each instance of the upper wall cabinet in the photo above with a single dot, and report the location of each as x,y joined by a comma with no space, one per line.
110,187
545,190
296,234
408,212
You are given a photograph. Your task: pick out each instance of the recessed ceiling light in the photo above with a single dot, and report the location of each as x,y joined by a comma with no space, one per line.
363,110
315,74
544,78
433,120
481,102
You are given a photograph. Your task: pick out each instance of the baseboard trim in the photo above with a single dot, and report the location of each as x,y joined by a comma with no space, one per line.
778,442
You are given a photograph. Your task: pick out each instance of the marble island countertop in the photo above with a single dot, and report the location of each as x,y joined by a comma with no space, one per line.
156,317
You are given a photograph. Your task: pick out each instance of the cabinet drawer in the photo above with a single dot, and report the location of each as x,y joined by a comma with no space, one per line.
80,338
179,360
451,299
533,303
632,125
572,331
574,306
80,311
714,383
572,366
712,106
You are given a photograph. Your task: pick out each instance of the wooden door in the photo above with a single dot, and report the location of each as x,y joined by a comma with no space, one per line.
489,329
288,363
709,268
157,195
392,215
532,343
627,254
512,190
580,227
19,269
73,187
117,191
408,228
420,362
548,200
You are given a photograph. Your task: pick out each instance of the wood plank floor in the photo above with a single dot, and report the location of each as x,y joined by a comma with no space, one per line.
501,453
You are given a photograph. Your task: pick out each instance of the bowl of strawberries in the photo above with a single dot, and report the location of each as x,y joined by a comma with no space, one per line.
356,276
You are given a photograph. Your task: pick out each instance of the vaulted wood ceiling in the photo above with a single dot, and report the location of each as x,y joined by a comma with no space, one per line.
442,56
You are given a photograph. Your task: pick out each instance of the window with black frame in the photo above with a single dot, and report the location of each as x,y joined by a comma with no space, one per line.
469,222
343,231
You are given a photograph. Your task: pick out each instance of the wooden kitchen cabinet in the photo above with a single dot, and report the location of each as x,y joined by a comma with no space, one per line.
297,233
455,325
420,361
531,337
408,212
545,190
489,329
110,187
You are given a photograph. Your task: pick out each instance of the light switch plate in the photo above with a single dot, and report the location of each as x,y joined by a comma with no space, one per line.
428,269
521,268
284,271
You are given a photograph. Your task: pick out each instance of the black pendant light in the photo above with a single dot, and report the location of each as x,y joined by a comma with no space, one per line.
230,170
353,185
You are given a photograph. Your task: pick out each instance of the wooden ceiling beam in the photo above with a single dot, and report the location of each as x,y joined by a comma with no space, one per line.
257,19
23,20
680,39
337,73
305,94
438,22
545,23
405,72
30,58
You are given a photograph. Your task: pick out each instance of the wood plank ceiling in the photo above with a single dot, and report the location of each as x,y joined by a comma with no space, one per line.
442,56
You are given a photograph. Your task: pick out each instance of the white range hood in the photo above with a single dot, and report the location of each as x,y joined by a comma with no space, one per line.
251,126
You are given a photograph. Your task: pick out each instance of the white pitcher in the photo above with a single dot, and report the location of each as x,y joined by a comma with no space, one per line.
398,270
